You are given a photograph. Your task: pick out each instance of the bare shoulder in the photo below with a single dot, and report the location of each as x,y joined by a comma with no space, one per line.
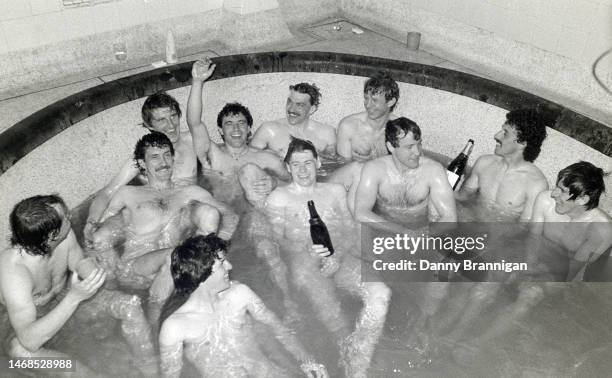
485,161
350,121
8,260
278,197
332,188
431,165
323,127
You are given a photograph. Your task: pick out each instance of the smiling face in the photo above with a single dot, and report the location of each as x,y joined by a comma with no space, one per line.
158,163
376,105
298,107
408,152
506,141
219,277
564,205
166,121
235,129
303,168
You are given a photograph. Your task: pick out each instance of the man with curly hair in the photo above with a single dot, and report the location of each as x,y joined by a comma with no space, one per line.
508,179
303,101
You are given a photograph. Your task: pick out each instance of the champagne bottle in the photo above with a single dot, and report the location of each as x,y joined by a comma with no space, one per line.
318,230
456,168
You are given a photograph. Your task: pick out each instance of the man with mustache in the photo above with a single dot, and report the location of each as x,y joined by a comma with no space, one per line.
160,113
508,179
302,102
158,215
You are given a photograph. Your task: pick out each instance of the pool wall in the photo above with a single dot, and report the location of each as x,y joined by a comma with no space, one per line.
85,138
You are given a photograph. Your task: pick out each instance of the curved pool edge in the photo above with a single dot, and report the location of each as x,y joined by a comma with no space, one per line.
23,137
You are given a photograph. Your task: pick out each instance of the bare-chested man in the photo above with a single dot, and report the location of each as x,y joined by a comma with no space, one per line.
38,298
508,179
405,184
160,214
234,122
161,113
287,207
361,136
302,102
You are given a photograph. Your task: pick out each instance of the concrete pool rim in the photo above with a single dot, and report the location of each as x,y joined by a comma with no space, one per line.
23,137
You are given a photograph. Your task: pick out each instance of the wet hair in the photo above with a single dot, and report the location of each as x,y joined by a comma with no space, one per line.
153,139
398,128
530,126
34,221
310,89
583,178
234,108
156,101
382,82
299,145
191,264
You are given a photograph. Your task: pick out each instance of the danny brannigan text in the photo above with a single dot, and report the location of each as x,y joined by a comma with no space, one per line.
465,265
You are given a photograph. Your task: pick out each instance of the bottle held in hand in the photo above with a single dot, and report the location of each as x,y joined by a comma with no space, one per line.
456,168
318,230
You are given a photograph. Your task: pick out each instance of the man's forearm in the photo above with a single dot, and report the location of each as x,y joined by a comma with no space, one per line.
36,334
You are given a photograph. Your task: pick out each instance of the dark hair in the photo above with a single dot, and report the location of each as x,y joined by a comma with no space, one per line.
398,128
34,221
382,82
156,101
153,139
310,89
299,145
191,264
530,126
583,178
234,108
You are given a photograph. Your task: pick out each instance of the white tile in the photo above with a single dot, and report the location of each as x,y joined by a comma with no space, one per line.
243,7
546,35
105,17
597,45
79,21
14,9
3,44
580,15
521,27
602,22
22,33
572,43
156,10
53,27
131,12
45,6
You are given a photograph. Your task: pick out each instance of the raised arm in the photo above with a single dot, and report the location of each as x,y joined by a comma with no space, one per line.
441,195
261,313
200,72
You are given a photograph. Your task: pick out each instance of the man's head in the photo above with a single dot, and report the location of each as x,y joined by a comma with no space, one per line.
302,102
302,162
39,224
154,155
380,95
580,184
161,113
235,122
403,140
198,259
524,131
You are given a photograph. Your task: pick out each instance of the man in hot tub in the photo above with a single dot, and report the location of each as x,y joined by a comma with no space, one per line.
160,113
225,159
156,216
508,179
313,270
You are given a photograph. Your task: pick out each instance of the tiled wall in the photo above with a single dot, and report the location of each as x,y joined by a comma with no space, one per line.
577,29
32,23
